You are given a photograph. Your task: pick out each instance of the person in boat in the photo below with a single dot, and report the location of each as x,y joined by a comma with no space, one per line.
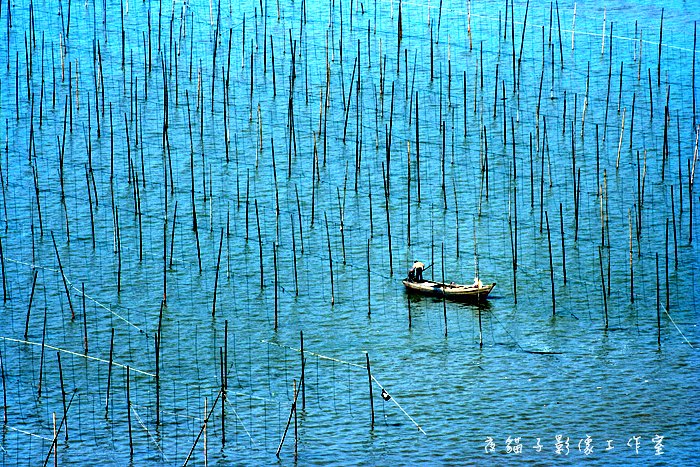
415,274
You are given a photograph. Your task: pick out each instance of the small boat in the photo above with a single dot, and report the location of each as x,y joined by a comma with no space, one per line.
476,292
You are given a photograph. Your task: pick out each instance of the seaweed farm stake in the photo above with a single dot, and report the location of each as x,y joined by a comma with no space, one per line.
54,443
330,259
63,276
481,335
119,251
85,321
225,356
109,372
563,248
128,411
675,240
274,255
371,398
444,302
4,389
690,198
602,283
172,237
301,231
629,220
63,392
551,267
41,363
302,385
216,278
257,219
369,293
294,254
695,40
388,222
661,35
668,299
156,342
658,303
92,217
4,282
417,153
651,99
31,298
222,378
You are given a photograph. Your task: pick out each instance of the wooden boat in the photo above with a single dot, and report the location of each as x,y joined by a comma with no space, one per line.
476,292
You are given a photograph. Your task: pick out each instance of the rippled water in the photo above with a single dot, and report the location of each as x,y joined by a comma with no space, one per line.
555,380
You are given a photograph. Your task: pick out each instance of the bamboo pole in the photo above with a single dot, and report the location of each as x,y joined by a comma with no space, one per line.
85,339
109,372
4,389
551,267
128,411
371,398
658,304
330,259
629,220
260,248
204,426
661,35
668,290
289,420
275,286
444,301
302,385
63,276
54,442
63,392
156,342
602,284
216,278
369,283
41,362
29,306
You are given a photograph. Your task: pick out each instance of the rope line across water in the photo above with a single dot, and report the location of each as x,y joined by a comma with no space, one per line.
70,352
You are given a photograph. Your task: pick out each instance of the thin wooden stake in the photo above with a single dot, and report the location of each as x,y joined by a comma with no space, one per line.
551,267
276,300
289,420
216,278
330,259
658,303
63,391
204,426
302,385
4,389
563,248
369,289
444,301
29,307
63,276
602,285
371,398
85,339
128,410
109,372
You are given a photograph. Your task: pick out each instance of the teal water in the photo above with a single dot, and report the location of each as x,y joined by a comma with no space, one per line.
550,370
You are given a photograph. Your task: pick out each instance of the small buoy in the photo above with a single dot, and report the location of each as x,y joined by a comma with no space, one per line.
385,395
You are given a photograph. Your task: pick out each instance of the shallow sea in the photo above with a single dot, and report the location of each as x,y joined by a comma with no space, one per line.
155,155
